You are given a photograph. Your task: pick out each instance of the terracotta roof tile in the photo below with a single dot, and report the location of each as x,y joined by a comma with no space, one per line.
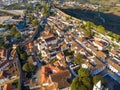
7,86
61,79
59,55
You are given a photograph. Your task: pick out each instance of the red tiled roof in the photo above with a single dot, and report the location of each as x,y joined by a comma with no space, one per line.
50,39
61,78
7,86
2,53
29,45
59,55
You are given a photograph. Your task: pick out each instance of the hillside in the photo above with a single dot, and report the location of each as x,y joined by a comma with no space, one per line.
112,22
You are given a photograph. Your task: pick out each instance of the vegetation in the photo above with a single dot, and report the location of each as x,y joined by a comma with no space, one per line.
114,36
23,56
46,10
15,83
28,67
25,87
52,61
2,44
30,18
15,33
93,16
68,52
78,59
83,72
98,78
25,12
35,22
81,1
30,7
6,26
19,50
101,29
84,80
40,56
68,18
14,7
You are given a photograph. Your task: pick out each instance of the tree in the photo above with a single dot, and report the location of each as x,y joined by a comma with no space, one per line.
78,85
82,72
19,50
23,56
101,29
98,78
87,82
35,22
28,67
25,87
29,7
25,12
82,87
68,52
74,85
78,59
18,35
37,9
13,31
8,26
1,44
46,10
83,81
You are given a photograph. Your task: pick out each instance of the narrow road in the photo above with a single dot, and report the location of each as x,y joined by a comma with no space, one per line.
35,35
20,71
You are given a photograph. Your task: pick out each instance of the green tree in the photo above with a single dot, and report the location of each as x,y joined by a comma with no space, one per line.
98,78
68,52
8,26
82,87
13,31
25,12
35,22
101,29
74,85
19,50
37,9
78,59
87,82
83,81
29,7
18,35
25,87
1,44
23,56
82,72
28,67
46,10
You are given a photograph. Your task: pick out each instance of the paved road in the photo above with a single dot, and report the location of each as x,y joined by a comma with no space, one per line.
20,71
34,37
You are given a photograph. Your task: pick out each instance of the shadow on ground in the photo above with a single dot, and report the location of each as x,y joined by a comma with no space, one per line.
112,22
